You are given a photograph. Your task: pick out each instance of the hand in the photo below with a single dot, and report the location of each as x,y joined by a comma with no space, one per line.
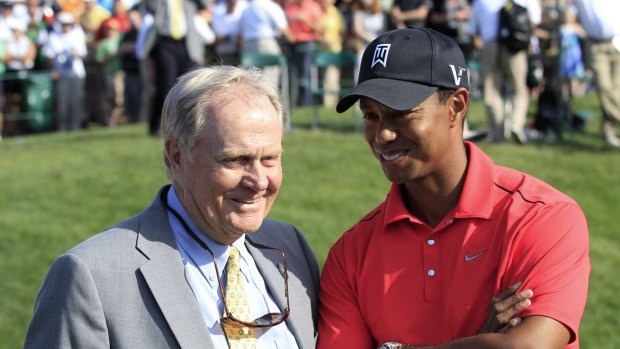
504,308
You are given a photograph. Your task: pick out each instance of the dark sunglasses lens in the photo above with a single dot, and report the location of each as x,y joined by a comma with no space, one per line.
268,319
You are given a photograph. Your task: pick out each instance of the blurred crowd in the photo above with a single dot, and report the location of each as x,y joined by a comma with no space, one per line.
113,61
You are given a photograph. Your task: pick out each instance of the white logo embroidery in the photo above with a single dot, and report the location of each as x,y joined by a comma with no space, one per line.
457,77
381,54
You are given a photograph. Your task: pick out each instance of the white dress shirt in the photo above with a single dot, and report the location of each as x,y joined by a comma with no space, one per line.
599,18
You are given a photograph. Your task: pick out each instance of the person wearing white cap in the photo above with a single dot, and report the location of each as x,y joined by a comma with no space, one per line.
437,264
21,51
19,57
67,49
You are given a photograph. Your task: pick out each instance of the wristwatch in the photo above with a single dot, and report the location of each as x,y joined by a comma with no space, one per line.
390,345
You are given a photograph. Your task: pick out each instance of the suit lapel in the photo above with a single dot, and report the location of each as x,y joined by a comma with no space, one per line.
165,277
268,265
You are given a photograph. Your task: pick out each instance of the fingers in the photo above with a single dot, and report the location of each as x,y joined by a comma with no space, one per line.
508,298
512,323
511,306
507,292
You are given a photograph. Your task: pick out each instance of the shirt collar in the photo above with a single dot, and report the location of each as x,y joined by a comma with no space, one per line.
195,251
474,201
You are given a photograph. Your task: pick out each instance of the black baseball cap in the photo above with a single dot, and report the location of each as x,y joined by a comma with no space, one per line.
403,67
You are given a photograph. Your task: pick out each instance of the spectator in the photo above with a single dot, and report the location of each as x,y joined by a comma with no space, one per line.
368,22
572,67
132,85
599,20
19,57
499,64
2,70
67,49
410,13
92,18
37,32
332,29
226,25
118,15
175,46
451,17
263,22
107,56
303,19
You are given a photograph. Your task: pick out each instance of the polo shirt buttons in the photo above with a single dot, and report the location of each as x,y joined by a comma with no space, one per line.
430,242
449,221
431,272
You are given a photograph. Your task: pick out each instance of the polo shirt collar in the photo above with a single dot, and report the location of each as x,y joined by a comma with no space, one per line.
477,195
474,201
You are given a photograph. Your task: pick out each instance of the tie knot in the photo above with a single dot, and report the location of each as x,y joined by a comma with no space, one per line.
233,258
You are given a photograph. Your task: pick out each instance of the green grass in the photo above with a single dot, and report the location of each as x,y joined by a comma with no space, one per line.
58,189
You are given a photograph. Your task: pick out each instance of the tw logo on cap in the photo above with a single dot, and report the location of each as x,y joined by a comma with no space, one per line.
381,55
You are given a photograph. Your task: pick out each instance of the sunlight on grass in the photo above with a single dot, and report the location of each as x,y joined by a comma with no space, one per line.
59,189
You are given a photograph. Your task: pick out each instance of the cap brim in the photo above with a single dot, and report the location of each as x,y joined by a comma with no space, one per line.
395,94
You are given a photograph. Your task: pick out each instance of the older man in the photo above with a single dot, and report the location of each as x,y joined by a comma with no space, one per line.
200,267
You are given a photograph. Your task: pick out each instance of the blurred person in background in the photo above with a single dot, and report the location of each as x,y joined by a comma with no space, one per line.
37,32
451,18
132,85
67,49
368,22
2,70
303,20
332,29
572,65
226,25
263,25
107,56
174,44
90,20
500,65
201,266
410,13
599,19
19,57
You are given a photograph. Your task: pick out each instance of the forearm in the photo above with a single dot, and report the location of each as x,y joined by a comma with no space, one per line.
536,332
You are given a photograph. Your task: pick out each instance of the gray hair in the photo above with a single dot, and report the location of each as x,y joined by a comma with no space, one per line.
184,114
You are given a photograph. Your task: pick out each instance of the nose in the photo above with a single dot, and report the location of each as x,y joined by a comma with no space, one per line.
384,132
256,177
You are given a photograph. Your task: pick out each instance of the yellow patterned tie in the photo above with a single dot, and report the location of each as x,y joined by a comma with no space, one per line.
239,336
176,19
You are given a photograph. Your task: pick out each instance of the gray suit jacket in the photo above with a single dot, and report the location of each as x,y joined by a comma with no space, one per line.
126,288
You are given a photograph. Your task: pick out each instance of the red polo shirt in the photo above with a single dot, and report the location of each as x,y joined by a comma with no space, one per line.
391,277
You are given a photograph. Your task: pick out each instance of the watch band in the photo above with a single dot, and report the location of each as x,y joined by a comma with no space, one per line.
390,345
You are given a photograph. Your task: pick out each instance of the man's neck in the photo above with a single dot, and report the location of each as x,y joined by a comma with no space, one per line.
432,198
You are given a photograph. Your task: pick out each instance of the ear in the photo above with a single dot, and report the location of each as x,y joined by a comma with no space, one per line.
173,154
458,107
